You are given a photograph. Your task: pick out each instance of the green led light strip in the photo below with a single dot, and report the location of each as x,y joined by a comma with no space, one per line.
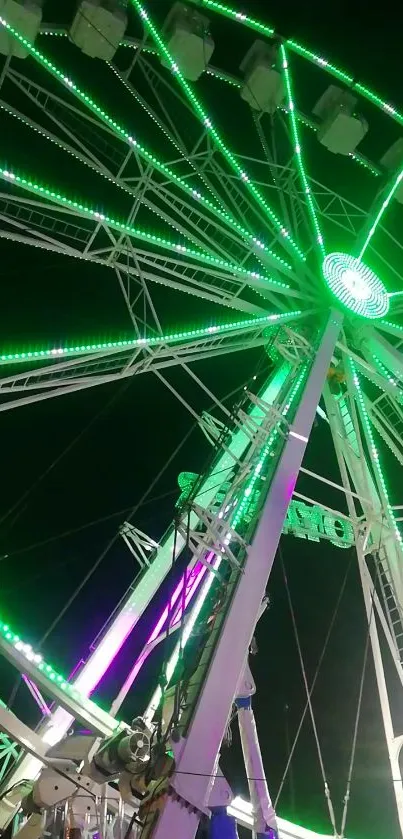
237,516
298,155
127,137
301,118
213,133
181,151
227,11
388,376
244,500
35,659
383,207
191,334
388,323
264,29
373,450
137,233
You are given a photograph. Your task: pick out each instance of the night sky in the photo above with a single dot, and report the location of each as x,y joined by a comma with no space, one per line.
101,449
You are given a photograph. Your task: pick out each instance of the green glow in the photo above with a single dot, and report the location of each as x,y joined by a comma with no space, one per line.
212,131
102,346
244,500
355,285
237,515
8,636
396,383
136,232
383,207
320,61
133,143
298,155
374,454
312,522
395,326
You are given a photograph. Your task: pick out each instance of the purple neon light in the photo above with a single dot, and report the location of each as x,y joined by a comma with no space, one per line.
87,680
195,579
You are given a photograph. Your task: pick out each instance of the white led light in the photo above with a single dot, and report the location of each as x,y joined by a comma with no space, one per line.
355,285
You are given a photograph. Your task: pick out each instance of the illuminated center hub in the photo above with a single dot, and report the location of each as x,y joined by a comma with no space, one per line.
355,285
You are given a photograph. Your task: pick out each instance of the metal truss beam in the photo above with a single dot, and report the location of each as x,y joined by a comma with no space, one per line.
197,754
119,363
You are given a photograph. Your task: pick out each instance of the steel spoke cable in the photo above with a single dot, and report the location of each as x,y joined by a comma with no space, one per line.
360,693
122,511
60,457
116,535
356,724
315,678
308,696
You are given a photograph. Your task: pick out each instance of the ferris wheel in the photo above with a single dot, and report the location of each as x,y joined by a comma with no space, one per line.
246,181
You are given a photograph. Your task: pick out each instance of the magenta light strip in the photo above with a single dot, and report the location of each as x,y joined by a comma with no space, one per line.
196,577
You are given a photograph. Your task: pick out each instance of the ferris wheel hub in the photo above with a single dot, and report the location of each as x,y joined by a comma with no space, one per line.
355,285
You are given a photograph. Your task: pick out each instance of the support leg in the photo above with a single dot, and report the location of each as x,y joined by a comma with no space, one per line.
264,817
197,753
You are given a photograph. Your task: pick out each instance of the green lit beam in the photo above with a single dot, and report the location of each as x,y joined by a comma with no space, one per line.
132,343
142,235
393,328
300,117
18,650
320,61
214,134
299,156
384,205
123,134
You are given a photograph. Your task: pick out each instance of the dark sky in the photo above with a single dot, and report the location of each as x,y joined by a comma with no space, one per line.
117,439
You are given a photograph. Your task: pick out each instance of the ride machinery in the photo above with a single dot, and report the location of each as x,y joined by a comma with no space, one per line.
317,308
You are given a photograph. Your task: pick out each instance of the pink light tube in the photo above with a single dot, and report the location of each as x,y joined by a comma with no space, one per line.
192,584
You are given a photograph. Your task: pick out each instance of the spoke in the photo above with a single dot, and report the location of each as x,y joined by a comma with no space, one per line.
73,374
215,135
135,232
123,134
299,157
386,199
127,343
392,328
